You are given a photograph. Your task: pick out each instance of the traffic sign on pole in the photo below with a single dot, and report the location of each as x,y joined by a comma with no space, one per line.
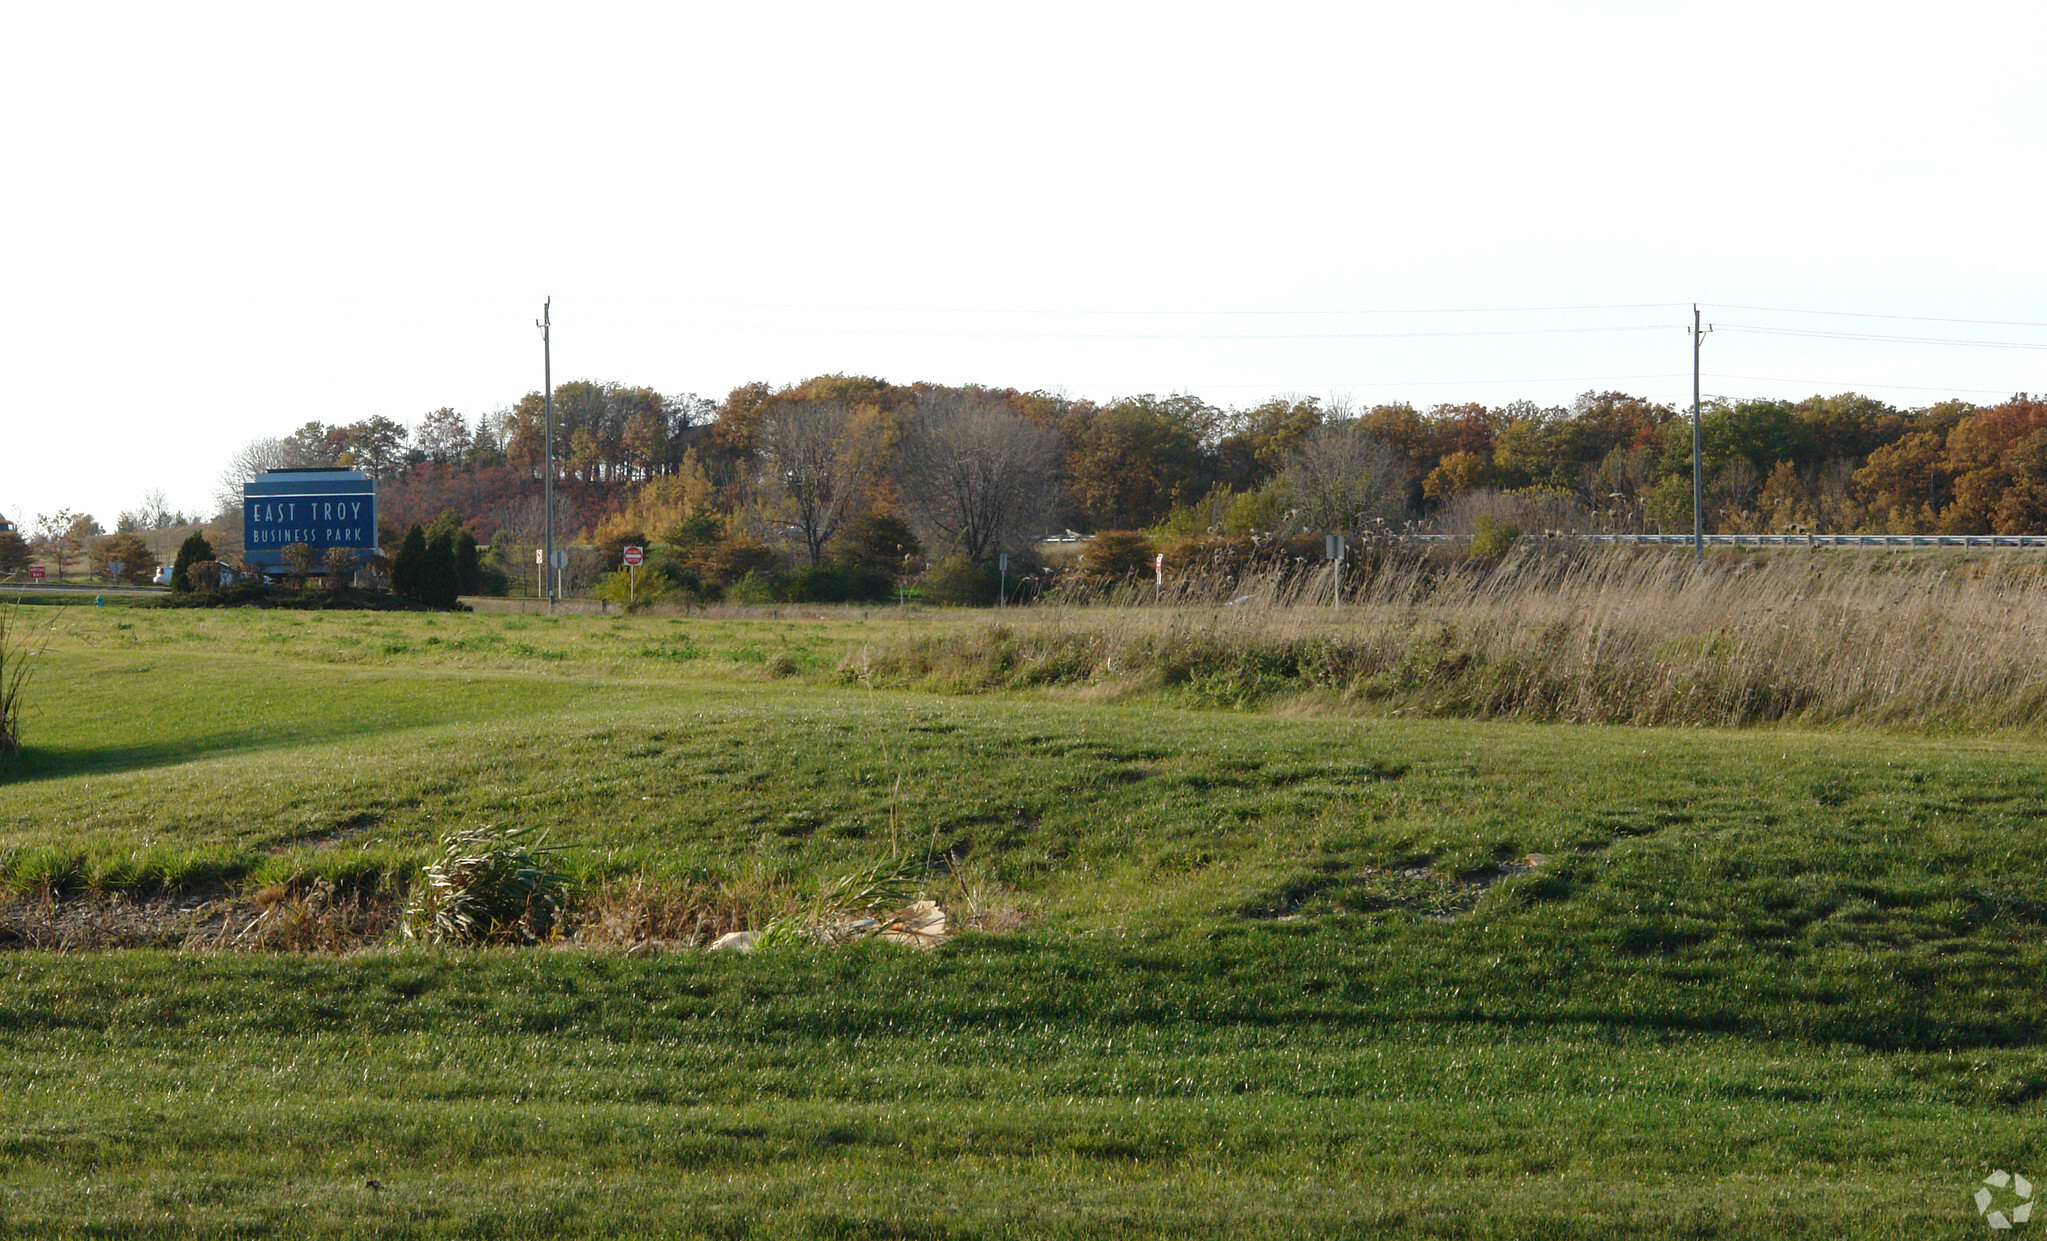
635,555
35,573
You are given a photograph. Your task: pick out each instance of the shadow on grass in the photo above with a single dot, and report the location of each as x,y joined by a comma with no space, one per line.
38,762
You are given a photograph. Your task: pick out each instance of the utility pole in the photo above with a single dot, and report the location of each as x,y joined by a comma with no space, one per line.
1698,474
546,325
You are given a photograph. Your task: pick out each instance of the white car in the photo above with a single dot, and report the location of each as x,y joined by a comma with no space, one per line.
163,575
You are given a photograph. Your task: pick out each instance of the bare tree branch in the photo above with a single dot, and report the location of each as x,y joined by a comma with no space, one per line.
977,474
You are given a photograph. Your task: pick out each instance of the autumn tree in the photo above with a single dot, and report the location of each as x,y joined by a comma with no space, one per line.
1257,439
15,553
977,474
63,536
878,540
1904,485
375,445
1781,504
1540,447
443,436
1343,479
817,458
1456,474
1131,460
130,551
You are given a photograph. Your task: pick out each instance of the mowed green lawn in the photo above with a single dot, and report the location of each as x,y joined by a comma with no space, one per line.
1283,976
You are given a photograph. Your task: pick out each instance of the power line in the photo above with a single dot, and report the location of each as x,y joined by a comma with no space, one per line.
1152,312
1863,314
1534,331
1848,387
1414,383
1895,340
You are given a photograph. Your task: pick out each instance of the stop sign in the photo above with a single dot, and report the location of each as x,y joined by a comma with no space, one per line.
635,555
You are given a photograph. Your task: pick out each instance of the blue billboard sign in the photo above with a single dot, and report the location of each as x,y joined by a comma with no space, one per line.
322,508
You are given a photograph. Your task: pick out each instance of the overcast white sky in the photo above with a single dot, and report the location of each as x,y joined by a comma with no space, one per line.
222,221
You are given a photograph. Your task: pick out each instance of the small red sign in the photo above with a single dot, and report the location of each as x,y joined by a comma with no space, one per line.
635,555
35,573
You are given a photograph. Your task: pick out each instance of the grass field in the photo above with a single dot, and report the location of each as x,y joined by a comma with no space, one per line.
1284,973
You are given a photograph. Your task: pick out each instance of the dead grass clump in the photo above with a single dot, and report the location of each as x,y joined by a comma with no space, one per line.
310,916
318,916
637,915
47,922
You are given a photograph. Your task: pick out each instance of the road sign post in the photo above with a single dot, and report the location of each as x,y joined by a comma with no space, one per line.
540,573
633,557
1002,580
561,561
1333,546
35,573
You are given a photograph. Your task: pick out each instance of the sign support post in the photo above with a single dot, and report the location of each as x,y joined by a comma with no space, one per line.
1333,545
633,556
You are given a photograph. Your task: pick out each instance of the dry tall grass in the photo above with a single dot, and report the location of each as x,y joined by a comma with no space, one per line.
1622,635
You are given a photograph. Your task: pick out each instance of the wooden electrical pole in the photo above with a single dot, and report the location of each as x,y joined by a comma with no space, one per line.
547,378
1698,474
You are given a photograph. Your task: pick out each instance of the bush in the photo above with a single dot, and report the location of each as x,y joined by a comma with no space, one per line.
300,559
469,578
487,887
438,584
877,541
337,568
193,550
838,583
725,563
957,581
1118,556
426,568
409,565
1492,538
755,587
619,588
493,581
700,529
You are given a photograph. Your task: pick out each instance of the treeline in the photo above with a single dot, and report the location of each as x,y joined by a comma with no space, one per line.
780,489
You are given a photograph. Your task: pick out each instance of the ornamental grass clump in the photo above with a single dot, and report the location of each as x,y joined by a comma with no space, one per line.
859,905
16,663
487,887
